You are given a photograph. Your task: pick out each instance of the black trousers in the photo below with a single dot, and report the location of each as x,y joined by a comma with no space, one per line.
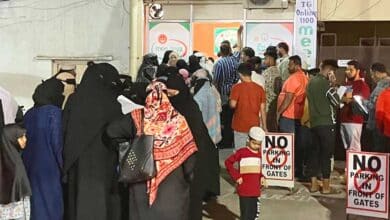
324,140
303,147
227,131
249,208
381,143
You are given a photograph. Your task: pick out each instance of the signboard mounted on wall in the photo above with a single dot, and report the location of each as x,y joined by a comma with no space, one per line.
261,35
169,36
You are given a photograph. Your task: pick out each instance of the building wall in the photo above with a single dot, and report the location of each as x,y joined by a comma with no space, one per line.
225,12
353,10
69,28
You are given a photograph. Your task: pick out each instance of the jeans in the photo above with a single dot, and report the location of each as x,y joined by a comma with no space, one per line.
240,139
293,126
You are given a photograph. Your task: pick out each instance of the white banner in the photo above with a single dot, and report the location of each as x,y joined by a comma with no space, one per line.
261,35
169,36
368,184
278,159
305,32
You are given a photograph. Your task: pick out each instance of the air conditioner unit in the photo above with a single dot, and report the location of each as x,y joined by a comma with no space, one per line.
256,4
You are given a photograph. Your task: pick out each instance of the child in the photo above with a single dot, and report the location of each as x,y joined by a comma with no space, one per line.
249,178
14,185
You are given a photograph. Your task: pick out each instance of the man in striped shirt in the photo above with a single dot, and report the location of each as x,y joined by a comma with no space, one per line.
225,76
225,73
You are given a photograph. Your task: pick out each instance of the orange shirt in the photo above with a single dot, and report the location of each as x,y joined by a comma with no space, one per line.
295,84
249,97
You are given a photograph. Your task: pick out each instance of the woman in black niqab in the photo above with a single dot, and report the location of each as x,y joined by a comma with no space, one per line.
148,69
206,173
14,183
49,92
89,164
194,64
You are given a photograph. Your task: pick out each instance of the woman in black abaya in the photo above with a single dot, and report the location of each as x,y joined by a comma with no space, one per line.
14,184
206,173
89,165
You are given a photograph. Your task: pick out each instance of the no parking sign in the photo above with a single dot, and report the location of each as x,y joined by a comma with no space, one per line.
278,157
368,182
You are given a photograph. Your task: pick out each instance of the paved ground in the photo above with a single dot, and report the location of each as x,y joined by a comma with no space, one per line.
280,203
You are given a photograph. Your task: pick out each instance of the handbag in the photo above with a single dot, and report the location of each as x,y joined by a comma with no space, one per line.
136,162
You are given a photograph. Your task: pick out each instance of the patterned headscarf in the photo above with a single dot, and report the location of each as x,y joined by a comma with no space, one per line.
173,140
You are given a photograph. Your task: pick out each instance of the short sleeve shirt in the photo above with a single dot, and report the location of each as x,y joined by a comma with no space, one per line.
295,84
249,97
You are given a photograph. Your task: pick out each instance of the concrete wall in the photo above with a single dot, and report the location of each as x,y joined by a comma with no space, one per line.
353,10
225,12
79,28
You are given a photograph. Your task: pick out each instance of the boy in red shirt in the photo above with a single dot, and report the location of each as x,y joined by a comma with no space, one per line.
248,177
248,101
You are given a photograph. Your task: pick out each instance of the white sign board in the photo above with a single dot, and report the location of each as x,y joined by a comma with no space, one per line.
169,36
305,31
368,182
278,159
261,35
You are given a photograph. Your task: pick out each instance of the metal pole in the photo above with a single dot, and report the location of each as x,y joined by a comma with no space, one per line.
136,30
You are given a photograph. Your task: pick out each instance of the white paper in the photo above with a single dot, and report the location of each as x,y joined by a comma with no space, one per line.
341,91
128,105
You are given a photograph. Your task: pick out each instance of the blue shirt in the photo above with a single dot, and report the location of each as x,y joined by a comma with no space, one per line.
225,75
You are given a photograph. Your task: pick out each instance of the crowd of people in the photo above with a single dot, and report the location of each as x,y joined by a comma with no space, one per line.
61,159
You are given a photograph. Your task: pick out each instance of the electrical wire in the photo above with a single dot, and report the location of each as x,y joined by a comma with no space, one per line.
366,10
124,7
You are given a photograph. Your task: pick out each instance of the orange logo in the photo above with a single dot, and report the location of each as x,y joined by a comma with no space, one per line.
162,38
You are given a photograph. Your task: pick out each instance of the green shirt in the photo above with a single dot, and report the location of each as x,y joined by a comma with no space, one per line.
320,108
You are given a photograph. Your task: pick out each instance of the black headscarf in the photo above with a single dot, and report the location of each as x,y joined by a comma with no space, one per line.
166,56
14,184
137,93
207,168
49,92
91,108
148,69
181,64
194,64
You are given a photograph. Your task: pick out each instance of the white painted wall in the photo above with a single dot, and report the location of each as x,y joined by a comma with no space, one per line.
29,28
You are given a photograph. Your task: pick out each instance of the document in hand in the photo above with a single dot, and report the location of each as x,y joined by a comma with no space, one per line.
127,105
341,91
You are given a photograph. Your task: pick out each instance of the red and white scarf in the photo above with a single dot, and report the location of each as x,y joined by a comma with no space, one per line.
173,140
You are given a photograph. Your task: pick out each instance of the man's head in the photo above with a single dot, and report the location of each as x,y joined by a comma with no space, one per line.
256,62
245,70
294,64
328,67
282,49
246,54
225,50
270,56
226,42
353,70
378,72
256,138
